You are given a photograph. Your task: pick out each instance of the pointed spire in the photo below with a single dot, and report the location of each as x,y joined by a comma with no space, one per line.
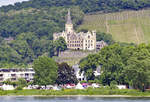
69,21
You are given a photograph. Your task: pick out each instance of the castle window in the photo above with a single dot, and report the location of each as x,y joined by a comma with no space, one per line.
88,36
91,40
91,44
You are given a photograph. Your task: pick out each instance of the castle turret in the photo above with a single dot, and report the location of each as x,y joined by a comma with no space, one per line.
69,25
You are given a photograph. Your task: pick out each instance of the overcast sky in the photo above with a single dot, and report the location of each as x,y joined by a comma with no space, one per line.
7,2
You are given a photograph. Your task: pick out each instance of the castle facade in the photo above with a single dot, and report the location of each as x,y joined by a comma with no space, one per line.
77,41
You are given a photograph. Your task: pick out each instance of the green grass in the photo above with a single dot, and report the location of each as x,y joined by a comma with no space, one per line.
90,91
127,26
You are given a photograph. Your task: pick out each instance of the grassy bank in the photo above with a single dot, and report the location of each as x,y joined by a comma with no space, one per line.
125,92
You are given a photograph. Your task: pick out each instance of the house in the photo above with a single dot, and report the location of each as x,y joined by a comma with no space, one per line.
15,73
80,75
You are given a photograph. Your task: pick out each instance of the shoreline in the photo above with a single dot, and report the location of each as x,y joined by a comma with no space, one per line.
94,96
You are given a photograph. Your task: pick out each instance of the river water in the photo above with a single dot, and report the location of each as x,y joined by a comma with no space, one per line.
70,99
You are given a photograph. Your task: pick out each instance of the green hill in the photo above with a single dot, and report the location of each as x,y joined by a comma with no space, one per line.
127,26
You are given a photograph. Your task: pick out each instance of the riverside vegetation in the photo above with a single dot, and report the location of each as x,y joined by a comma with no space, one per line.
89,91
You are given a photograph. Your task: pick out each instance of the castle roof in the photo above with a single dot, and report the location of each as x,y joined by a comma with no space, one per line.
69,21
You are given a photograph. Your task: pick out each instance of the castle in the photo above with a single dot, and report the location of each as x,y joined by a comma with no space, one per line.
77,41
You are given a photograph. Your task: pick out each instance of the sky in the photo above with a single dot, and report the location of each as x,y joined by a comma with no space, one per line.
7,2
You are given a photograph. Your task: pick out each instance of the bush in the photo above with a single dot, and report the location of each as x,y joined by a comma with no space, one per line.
19,88
113,85
83,81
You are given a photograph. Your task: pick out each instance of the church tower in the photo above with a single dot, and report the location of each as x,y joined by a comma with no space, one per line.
69,25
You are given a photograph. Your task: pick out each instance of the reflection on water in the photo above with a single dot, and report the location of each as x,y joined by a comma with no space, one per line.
70,99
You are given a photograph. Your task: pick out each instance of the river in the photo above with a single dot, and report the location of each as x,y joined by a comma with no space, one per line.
70,99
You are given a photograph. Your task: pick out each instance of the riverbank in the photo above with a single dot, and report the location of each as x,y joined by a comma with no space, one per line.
73,92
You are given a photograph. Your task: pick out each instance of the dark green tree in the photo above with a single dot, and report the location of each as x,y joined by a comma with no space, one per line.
66,74
105,37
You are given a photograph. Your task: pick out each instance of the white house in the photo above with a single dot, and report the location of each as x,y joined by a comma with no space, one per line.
80,76
15,73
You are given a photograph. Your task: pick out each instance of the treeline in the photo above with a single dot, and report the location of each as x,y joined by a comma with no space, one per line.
120,64
43,21
87,6
26,48
28,33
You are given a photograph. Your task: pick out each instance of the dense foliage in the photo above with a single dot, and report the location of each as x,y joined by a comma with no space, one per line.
45,71
105,37
86,5
126,64
26,28
66,74
26,48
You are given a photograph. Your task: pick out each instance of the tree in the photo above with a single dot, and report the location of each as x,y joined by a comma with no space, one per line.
45,71
137,69
105,37
60,45
112,64
66,74
21,82
89,65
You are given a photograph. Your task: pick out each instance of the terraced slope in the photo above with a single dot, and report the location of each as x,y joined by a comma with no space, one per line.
127,26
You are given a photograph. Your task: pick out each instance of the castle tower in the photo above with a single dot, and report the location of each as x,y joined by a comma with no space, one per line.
69,25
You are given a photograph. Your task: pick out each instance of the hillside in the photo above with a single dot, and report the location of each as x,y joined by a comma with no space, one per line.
26,29
127,26
72,57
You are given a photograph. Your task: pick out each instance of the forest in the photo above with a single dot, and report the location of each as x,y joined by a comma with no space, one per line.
121,64
26,29
87,6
